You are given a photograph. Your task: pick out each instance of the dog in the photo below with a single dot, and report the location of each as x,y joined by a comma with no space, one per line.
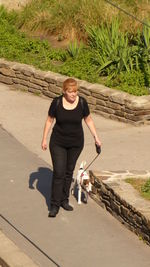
82,183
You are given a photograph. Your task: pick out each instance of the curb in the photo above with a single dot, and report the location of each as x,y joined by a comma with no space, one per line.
11,255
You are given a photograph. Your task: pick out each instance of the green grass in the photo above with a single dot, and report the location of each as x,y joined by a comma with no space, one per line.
16,46
76,60
141,185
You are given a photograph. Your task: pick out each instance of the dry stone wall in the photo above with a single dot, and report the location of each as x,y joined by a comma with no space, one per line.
110,191
110,103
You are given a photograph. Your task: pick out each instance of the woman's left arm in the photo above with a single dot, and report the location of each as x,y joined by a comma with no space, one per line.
90,123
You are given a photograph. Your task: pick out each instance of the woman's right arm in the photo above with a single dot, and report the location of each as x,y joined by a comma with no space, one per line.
47,128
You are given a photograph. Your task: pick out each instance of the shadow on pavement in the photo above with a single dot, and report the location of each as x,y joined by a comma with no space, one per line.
43,179
3,263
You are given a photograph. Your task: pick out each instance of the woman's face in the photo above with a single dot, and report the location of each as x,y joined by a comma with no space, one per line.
71,94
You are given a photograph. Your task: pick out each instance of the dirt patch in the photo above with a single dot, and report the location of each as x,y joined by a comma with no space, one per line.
56,41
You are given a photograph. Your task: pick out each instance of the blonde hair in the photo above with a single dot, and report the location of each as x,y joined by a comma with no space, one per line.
70,83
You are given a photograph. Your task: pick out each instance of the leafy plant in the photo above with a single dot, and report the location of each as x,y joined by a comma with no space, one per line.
74,49
146,35
142,41
112,51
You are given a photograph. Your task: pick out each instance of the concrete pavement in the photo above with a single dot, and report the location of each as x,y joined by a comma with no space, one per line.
125,147
89,236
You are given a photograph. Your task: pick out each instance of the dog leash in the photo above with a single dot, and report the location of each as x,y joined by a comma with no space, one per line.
98,150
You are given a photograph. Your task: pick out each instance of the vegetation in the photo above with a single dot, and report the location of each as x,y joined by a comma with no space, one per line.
73,17
16,46
142,185
101,49
146,189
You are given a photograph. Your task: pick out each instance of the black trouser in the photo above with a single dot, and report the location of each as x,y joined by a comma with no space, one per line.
64,160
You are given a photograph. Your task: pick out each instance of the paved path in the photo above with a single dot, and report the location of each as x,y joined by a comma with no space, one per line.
125,147
89,236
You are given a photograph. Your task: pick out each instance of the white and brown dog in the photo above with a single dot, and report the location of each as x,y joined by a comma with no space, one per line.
82,183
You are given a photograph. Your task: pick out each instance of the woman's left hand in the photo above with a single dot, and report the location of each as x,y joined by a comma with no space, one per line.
97,141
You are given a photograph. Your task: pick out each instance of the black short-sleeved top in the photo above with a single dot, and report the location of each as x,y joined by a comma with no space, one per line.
68,130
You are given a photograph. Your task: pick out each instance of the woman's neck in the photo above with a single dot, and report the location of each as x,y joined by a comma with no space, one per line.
68,104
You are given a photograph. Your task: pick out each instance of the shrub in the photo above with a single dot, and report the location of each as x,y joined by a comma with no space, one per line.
112,51
131,82
80,67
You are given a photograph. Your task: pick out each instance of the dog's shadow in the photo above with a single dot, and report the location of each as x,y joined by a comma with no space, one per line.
43,179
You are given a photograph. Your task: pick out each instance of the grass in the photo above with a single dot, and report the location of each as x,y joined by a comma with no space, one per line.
70,18
17,46
141,185
77,59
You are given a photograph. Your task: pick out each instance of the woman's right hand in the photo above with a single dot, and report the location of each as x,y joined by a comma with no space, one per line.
47,127
44,144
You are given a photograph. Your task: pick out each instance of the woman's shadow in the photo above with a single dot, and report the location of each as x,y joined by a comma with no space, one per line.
43,179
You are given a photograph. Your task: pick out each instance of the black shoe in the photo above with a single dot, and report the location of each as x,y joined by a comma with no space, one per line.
53,212
66,206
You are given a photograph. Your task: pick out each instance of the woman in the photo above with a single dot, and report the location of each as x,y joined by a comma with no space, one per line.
67,141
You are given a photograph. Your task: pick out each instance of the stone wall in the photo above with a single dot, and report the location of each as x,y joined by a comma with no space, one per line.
110,191
110,103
